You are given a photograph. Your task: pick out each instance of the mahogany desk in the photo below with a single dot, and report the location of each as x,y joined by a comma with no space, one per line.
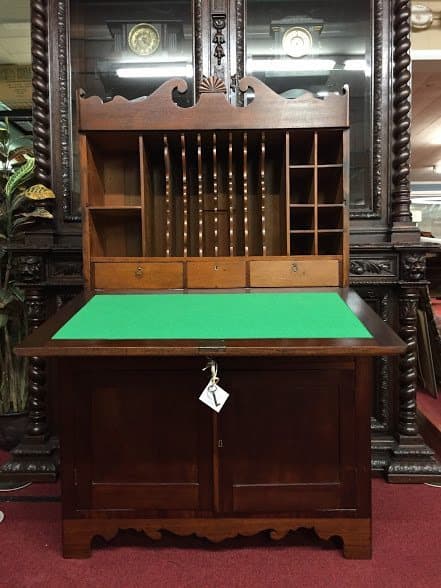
291,447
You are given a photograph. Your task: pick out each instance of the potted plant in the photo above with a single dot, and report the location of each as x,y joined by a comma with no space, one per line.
20,205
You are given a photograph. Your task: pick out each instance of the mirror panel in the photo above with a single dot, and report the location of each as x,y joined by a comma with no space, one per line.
131,48
296,46
128,48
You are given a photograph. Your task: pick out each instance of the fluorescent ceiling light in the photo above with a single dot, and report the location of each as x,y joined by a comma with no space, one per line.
355,65
157,71
325,93
437,167
425,54
433,200
289,65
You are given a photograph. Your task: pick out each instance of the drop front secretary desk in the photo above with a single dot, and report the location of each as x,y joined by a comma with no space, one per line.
215,234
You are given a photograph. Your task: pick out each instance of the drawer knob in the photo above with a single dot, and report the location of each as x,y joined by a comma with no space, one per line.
139,272
294,267
216,268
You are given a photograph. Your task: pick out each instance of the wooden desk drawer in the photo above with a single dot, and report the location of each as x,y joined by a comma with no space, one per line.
216,274
151,276
294,273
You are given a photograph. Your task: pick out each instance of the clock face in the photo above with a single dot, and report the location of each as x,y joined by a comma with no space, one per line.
421,16
143,39
297,42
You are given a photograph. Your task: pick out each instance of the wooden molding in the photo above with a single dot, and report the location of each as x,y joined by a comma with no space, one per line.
212,111
356,534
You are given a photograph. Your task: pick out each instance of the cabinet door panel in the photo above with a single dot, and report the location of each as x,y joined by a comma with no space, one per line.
288,441
146,443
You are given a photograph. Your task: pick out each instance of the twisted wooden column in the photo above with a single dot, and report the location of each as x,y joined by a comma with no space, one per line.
35,457
37,426
41,131
408,302
401,117
412,460
40,90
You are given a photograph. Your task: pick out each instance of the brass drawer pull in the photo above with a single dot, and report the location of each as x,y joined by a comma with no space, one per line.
294,267
139,272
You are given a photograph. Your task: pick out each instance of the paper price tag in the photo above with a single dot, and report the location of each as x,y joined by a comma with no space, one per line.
214,396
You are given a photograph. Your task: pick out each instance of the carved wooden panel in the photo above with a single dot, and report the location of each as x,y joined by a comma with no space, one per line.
159,112
373,267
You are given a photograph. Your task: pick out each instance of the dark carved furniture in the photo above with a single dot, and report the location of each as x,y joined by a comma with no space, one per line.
387,260
245,199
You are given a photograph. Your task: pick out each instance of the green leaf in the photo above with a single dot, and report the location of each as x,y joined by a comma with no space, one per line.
6,298
18,155
3,319
19,222
18,293
20,176
17,201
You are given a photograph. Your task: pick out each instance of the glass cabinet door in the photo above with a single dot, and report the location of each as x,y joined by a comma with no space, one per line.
131,47
128,48
318,46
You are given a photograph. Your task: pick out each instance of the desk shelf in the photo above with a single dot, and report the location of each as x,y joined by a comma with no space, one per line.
115,232
170,184
203,193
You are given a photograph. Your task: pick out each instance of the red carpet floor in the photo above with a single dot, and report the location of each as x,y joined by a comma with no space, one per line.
407,553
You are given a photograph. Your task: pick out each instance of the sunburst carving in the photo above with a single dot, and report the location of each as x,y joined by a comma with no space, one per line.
212,85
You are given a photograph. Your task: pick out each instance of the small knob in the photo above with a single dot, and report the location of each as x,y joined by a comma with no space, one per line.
294,267
216,268
139,272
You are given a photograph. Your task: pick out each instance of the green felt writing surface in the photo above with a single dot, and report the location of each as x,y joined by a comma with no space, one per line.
214,316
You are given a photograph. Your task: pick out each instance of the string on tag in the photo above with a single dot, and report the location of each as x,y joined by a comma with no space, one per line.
212,366
212,384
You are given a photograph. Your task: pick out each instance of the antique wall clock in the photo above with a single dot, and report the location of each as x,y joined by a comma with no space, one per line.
297,42
143,39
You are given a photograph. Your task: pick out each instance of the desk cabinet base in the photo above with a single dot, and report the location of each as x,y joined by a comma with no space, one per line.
355,534
290,449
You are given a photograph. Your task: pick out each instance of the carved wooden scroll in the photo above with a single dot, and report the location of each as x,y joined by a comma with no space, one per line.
213,111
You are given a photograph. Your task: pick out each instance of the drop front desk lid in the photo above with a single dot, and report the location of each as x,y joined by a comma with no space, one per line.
247,322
